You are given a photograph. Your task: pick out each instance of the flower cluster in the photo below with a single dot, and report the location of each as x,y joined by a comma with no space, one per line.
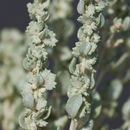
84,59
39,79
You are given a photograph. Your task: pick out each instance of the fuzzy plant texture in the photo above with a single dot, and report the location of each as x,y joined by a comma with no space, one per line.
39,78
11,72
49,83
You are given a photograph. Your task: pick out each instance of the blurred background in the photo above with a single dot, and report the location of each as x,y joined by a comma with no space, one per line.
13,13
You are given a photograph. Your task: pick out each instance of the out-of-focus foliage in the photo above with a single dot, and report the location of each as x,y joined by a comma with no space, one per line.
11,72
115,56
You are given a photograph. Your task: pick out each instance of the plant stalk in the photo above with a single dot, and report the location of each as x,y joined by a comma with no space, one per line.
73,124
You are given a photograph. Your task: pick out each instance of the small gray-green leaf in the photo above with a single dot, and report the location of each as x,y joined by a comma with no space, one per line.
80,7
115,89
85,48
126,23
102,20
28,100
72,65
126,110
22,119
73,105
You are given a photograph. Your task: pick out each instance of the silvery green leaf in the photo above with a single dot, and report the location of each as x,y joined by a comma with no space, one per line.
73,105
28,100
126,23
101,20
115,89
22,122
85,48
28,64
126,110
80,33
48,113
72,65
81,6
22,119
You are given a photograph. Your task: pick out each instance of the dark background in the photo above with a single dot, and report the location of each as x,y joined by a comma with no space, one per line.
13,13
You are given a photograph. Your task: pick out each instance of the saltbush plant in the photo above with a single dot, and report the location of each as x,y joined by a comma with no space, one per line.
46,84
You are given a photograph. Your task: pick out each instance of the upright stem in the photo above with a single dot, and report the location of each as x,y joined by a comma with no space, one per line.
73,124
